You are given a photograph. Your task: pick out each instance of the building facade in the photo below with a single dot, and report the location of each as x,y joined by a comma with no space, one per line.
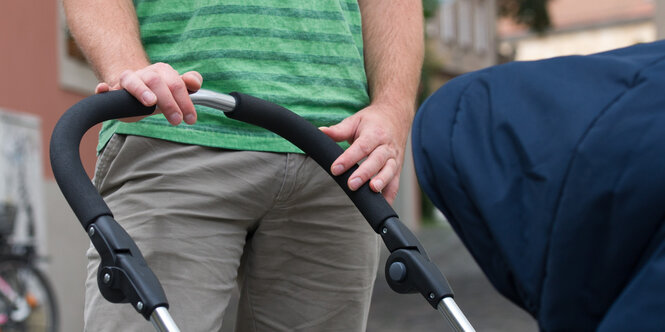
582,27
462,35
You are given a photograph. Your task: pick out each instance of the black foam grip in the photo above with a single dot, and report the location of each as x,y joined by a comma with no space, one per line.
69,173
316,144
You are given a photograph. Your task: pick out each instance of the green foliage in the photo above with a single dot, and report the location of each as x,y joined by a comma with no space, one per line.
532,13
429,7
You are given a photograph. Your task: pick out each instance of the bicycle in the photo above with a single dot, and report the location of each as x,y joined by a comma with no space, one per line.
27,300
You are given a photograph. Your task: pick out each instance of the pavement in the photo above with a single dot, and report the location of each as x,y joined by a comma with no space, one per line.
485,308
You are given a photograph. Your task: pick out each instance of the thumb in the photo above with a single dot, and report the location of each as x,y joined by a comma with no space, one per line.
102,87
343,131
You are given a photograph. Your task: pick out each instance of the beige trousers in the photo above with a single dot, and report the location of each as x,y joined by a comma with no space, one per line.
207,220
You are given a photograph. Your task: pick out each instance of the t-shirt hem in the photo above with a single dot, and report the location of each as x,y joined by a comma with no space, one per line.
226,141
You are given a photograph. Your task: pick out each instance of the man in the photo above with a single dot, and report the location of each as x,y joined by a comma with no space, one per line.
213,200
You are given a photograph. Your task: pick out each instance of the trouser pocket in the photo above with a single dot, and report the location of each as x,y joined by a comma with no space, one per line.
106,157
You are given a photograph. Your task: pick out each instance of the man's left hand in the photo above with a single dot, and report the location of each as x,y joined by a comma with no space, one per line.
378,135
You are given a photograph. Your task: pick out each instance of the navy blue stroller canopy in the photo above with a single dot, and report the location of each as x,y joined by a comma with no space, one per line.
553,175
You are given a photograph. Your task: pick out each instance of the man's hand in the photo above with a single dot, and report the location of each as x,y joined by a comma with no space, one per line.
375,133
108,33
159,84
393,51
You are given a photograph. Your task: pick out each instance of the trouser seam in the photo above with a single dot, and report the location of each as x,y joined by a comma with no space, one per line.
250,307
282,188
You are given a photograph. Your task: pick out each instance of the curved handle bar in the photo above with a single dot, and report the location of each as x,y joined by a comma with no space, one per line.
68,171
86,202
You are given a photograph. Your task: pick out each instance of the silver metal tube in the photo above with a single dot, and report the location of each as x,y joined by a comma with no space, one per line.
454,315
215,100
162,321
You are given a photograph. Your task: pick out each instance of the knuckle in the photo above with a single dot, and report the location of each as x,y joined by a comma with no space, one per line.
129,83
378,163
151,78
384,153
125,74
170,107
392,163
380,132
361,173
161,66
364,147
187,109
176,85
125,77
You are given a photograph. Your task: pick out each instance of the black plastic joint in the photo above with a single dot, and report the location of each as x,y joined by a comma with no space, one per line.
397,236
407,271
123,275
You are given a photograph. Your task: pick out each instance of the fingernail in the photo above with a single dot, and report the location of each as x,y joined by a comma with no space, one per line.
378,185
190,118
199,78
337,169
354,184
174,118
149,98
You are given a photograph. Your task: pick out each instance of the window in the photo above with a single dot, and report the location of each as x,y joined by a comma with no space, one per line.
447,22
74,72
481,23
464,22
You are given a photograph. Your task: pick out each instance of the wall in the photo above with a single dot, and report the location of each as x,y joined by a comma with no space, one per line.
577,41
30,84
659,18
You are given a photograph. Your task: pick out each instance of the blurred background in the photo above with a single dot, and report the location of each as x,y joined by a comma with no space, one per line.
43,73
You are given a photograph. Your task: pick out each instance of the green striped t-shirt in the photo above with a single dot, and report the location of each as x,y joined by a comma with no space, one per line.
304,55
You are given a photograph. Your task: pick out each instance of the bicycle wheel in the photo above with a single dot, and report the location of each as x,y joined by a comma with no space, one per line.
27,303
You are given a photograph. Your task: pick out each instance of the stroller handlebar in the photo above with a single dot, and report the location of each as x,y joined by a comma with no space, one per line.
89,207
87,204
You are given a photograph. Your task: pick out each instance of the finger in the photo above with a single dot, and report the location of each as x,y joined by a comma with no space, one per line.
131,82
102,87
384,177
165,101
343,131
178,89
360,149
390,191
369,168
180,93
193,81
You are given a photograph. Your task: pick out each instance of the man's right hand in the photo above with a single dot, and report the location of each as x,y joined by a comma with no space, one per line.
159,84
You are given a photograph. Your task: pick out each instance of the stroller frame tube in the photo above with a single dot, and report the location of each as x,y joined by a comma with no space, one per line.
162,321
449,309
